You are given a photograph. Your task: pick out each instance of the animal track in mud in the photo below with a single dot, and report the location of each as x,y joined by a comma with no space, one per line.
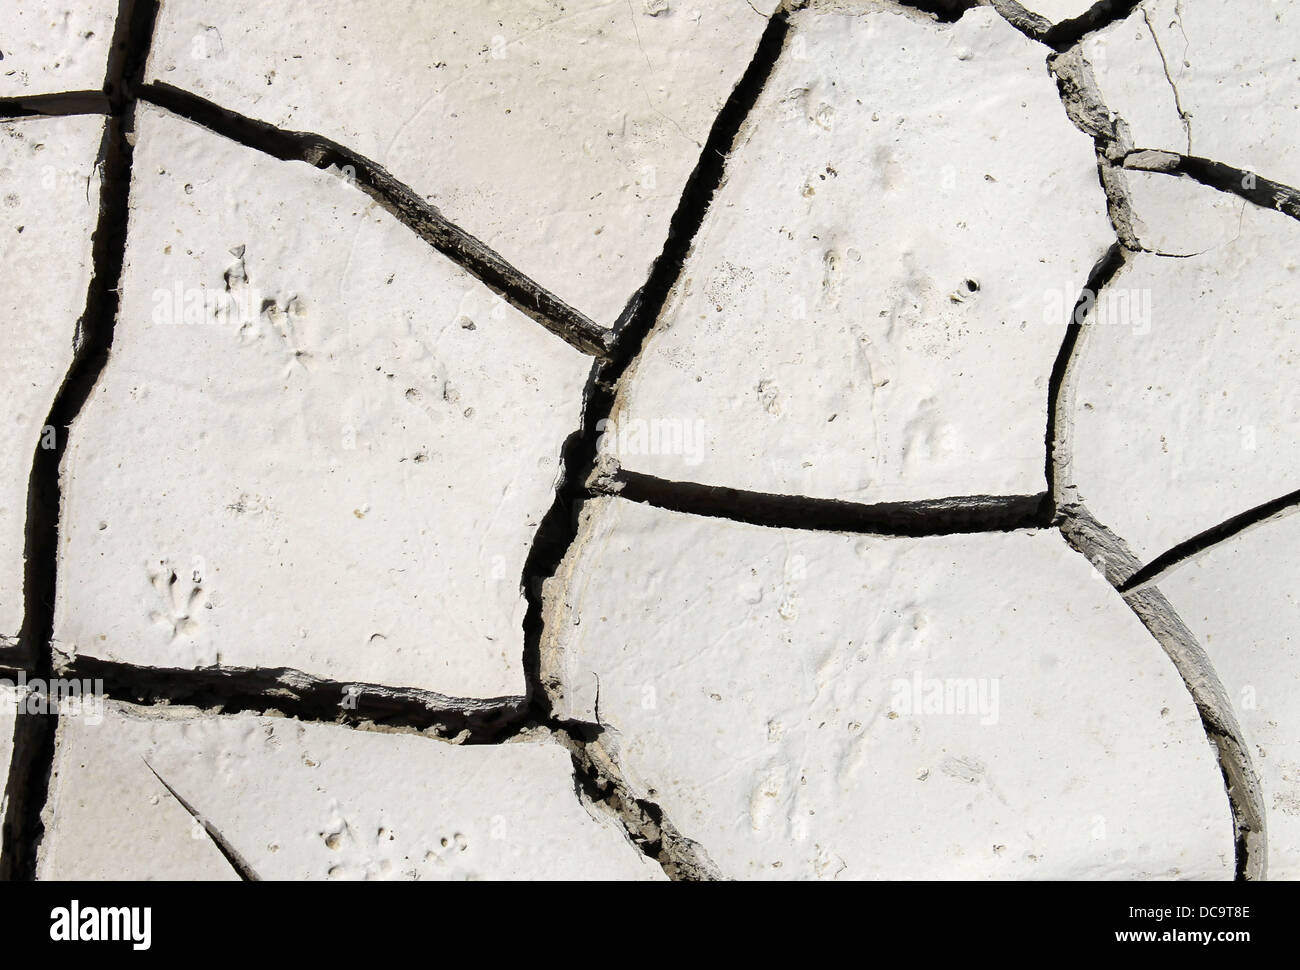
288,323
372,850
258,316
182,596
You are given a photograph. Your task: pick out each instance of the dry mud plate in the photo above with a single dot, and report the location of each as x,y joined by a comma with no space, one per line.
649,440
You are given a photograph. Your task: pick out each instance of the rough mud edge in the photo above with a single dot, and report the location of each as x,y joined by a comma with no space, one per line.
1080,95
1116,153
1062,36
1244,794
599,780
558,529
29,771
932,517
291,693
600,783
1190,548
1111,555
397,198
1033,25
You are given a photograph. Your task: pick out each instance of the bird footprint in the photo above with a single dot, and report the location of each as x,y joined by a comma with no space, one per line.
182,598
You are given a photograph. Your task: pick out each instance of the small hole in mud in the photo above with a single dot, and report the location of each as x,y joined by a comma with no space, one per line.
971,286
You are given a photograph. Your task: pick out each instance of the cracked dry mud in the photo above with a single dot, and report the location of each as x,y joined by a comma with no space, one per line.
818,440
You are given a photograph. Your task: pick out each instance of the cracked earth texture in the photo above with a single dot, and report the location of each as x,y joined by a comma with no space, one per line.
642,440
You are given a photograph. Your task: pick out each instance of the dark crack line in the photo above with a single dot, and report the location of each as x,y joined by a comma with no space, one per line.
1064,35
400,200
58,105
932,517
287,692
237,862
1059,398
598,781
944,11
292,693
34,734
1263,192
1082,99
1080,95
1111,556
1164,66
1108,553
559,527
1211,537
26,789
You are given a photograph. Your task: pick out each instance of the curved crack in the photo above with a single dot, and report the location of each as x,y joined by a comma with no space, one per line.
1082,99
1111,557
1060,387
1190,548
290,692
